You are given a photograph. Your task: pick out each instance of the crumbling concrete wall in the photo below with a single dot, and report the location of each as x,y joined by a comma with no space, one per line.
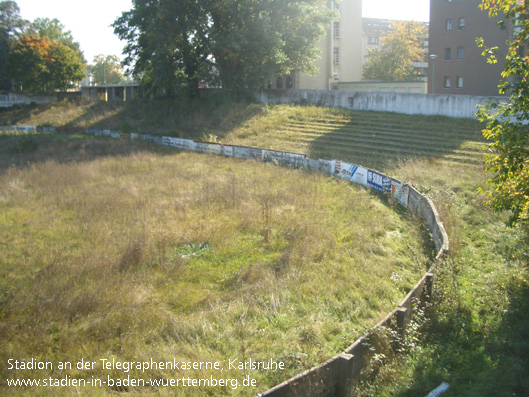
458,106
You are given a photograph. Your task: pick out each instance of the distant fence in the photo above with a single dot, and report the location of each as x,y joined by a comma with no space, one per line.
335,376
458,106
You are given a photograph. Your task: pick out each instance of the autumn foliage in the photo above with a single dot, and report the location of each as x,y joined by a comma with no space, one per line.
40,64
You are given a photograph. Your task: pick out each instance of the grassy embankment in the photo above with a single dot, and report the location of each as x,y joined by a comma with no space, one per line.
475,336
112,249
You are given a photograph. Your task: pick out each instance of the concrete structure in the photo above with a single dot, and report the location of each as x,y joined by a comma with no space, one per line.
341,56
459,106
409,87
118,92
11,99
459,67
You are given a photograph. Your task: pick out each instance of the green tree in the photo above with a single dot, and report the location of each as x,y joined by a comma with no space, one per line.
507,127
401,46
11,25
107,69
55,31
39,64
27,62
65,67
176,44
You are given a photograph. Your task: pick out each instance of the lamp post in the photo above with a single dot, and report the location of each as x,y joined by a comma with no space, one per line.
433,57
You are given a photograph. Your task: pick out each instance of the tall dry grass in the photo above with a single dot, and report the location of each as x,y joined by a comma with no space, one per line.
151,253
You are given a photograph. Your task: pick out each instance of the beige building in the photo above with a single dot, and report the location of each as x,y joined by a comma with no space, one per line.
341,56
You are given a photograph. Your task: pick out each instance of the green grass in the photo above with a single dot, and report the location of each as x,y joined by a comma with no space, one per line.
475,334
113,249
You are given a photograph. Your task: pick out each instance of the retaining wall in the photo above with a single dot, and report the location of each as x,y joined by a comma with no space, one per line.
459,106
12,99
334,377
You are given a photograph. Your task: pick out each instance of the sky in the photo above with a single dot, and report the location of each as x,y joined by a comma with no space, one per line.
89,21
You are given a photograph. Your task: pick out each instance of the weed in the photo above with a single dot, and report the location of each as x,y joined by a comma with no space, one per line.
125,126
24,144
210,138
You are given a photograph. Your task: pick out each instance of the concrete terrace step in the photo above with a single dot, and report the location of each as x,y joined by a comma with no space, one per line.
382,122
385,137
361,158
414,146
387,128
391,151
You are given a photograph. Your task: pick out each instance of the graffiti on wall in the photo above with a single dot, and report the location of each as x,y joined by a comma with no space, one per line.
185,144
250,153
287,159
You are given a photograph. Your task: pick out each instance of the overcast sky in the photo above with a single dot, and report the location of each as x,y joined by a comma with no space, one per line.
89,21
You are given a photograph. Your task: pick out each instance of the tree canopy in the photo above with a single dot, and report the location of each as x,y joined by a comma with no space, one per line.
107,69
38,55
55,31
507,127
176,44
401,47
11,25
39,64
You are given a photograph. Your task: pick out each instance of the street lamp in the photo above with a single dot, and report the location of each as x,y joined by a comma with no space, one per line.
433,57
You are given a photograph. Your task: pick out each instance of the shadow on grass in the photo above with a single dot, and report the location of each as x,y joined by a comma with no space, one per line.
379,140
18,115
480,349
181,117
24,150
178,117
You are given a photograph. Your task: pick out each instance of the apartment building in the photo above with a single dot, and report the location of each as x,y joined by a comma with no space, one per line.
456,63
341,52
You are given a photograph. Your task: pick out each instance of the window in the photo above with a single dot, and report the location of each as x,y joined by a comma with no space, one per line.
448,25
460,52
336,29
447,82
279,83
448,54
459,82
461,23
335,5
336,55
372,40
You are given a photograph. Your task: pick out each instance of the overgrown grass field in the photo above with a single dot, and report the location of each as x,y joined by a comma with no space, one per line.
475,335
118,250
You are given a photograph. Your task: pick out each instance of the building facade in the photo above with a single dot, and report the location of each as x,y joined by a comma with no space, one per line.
341,51
456,63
